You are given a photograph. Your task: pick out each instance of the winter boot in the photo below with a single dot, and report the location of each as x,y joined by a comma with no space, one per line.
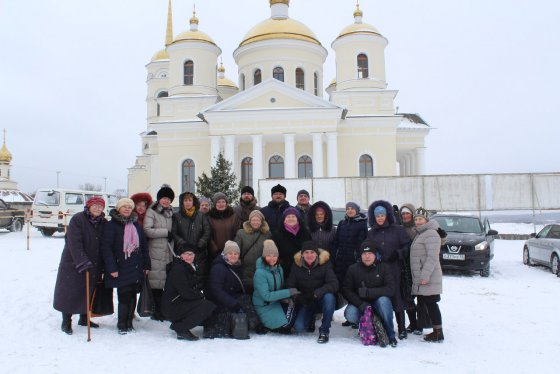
323,338
400,325
130,316
187,335
261,329
66,323
435,336
347,323
83,322
122,318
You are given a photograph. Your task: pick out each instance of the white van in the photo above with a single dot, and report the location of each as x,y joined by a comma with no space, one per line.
53,208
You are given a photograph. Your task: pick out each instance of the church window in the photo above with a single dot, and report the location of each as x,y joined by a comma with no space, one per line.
362,66
161,94
278,73
366,166
188,73
188,175
257,77
276,167
242,82
316,84
300,79
305,167
247,171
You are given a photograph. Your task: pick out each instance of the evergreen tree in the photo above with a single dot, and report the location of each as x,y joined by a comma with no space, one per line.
222,179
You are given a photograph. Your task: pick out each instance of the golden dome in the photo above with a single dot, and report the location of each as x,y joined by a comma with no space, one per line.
358,12
226,82
286,28
359,28
160,55
197,36
5,155
221,69
272,2
333,82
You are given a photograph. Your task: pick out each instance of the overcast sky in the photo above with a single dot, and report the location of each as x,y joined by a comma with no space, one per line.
483,74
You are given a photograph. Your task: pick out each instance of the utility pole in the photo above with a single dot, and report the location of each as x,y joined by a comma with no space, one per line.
57,179
105,190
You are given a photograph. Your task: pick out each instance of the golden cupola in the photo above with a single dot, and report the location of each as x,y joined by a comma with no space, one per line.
5,155
358,27
194,34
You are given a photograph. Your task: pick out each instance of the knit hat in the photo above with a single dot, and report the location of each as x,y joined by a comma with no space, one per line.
256,213
219,196
421,212
278,188
303,192
406,209
368,246
291,210
309,246
125,201
95,200
165,191
248,189
231,247
205,200
353,205
185,248
379,211
269,248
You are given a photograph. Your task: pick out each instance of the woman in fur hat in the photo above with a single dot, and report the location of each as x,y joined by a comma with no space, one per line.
142,201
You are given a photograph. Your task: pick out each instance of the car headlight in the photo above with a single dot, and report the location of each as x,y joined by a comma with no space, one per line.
481,246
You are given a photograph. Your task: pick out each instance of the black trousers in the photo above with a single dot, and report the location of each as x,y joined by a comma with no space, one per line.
431,303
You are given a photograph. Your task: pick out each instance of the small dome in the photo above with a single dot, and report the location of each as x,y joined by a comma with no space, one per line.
359,28
226,82
160,55
196,36
286,28
5,155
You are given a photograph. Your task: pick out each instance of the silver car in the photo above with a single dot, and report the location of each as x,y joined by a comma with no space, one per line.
544,248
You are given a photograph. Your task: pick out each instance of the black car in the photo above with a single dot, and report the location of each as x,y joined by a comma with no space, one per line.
469,244
10,218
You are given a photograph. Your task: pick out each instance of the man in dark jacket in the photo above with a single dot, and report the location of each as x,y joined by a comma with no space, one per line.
303,204
370,282
312,275
247,203
273,211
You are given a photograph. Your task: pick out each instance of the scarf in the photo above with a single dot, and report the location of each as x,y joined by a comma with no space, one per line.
190,212
130,241
292,229
93,220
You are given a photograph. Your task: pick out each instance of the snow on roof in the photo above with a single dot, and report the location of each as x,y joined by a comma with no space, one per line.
15,196
412,121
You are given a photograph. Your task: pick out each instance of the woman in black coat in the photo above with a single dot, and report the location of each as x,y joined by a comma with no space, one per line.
321,228
82,251
183,302
350,234
127,260
289,237
393,245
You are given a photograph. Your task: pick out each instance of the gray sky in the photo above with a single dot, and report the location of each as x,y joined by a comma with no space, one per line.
484,74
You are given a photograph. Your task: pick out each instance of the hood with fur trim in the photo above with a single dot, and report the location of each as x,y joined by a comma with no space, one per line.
196,201
312,223
249,229
390,215
323,258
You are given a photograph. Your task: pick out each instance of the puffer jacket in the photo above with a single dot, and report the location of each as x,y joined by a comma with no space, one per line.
224,226
269,290
250,243
319,278
324,235
273,213
289,244
157,224
350,233
424,260
409,226
224,285
376,278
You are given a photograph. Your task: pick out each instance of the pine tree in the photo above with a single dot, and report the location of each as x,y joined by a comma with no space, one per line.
222,179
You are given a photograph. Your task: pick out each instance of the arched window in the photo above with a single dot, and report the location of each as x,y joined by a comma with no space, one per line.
316,84
247,171
278,73
300,79
188,72
305,167
188,175
366,166
161,94
362,66
276,167
257,77
242,82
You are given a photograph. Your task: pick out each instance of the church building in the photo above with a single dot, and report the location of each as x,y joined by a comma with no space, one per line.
274,122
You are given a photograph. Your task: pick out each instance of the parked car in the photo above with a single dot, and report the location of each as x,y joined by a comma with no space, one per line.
340,213
544,248
469,244
10,218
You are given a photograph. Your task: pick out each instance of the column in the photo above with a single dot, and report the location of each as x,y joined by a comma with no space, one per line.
332,155
214,149
317,154
257,161
420,161
289,156
229,149
407,165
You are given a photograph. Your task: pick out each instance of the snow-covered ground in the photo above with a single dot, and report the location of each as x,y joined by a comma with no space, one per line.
505,323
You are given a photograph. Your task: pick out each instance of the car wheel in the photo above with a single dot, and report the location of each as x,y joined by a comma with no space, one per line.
555,264
16,226
526,257
486,271
47,232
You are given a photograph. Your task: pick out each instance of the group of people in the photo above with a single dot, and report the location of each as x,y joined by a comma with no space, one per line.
281,265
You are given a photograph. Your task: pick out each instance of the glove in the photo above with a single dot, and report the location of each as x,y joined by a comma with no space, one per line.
294,292
442,233
84,266
169,236
363,307
363,291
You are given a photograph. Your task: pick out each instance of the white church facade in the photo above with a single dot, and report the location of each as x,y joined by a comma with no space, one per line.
274,123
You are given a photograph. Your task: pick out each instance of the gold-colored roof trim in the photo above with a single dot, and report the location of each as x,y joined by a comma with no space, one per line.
272,2
359,28
279,29
197,36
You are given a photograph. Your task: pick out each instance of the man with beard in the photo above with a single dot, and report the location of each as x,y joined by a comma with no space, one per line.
276,207
247,203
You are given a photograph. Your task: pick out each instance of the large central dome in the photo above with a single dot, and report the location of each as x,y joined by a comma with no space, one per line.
286,28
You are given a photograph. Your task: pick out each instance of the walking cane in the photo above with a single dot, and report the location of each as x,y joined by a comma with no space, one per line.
88,307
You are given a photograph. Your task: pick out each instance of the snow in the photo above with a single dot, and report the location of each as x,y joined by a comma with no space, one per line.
504,323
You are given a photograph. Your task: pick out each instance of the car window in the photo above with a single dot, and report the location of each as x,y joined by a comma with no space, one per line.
544,232
74,199
460,224
47,198
554,232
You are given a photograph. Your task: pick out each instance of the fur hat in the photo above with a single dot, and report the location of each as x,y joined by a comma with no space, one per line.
219,196
291,210
421,212
231,247
379,211
309,246
248,189
368,246
269,248
185,248
125,201
142,196
278,188
95,200
353,205
303,192
256,213
165,191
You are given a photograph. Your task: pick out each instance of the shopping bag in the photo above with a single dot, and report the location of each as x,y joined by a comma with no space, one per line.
102,301
247,305
239,326
380,332
146,300
366,329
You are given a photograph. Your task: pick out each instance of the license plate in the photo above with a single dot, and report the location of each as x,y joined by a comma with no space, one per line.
453,256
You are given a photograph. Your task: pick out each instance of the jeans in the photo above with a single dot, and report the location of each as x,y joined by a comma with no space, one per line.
325,305
384,308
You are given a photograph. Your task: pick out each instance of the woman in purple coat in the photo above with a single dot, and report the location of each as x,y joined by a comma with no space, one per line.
393,245
82,251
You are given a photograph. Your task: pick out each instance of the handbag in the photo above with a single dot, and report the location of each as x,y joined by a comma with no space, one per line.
249,310
146,300
380,332
102,301
239,326
366,329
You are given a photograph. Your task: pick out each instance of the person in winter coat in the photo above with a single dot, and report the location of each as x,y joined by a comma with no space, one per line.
289,237
250,240
191,229
406,212
303,204
393,245
247,204
274,210
426,270
157,228
142,201
126,258
183,301
321,228
312,275
370,282
270,297
223,222
81,253
205,205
